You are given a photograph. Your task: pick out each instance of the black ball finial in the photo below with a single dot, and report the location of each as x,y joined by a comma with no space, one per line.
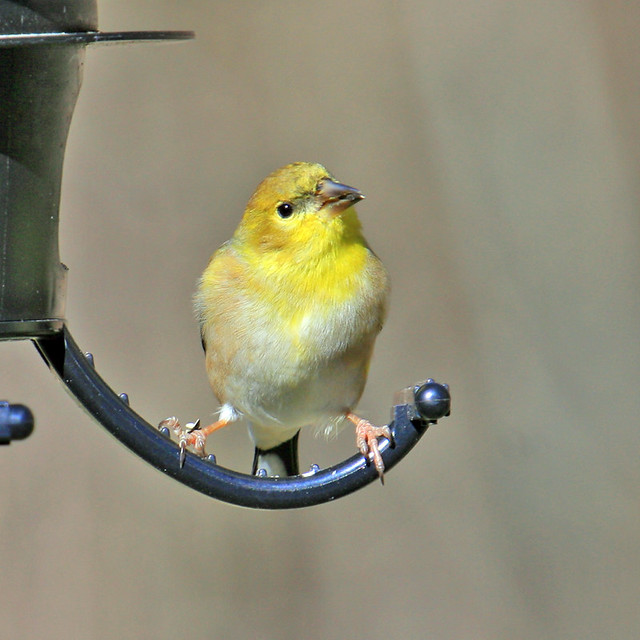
433,400
16,422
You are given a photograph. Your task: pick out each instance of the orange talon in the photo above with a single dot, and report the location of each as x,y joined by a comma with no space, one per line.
367,436
192,435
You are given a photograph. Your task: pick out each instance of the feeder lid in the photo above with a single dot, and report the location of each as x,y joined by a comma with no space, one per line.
91,37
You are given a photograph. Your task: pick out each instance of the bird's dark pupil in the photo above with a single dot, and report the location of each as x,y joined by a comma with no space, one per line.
285,210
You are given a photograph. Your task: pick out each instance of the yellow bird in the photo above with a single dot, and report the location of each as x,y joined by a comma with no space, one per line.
289,311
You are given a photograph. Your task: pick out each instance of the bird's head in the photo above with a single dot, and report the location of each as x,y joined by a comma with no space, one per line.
300,210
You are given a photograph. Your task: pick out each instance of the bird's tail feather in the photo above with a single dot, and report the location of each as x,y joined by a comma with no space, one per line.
279,461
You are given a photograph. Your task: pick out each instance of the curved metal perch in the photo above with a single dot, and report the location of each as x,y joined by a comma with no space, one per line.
411,419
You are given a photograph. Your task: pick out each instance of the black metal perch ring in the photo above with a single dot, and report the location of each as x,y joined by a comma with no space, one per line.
417,409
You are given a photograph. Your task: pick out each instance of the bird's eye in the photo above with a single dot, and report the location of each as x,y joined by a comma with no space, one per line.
285,210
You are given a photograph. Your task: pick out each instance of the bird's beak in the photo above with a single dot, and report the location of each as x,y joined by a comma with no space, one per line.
336,197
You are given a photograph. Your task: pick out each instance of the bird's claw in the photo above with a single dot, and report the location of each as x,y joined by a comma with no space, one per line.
188,436
367,436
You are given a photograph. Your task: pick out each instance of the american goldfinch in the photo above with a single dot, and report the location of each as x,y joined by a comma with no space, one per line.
289,311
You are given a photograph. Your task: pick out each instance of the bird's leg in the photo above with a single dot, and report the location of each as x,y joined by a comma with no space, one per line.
367,440
192,435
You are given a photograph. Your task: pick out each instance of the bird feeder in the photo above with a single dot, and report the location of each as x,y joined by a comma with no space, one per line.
42,46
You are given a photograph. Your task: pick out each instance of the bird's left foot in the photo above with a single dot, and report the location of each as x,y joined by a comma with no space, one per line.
367,436
191,435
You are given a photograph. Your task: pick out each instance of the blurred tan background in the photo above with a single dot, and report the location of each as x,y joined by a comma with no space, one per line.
498,147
